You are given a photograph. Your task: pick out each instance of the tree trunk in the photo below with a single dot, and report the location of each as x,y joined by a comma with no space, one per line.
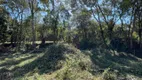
55,30
33,27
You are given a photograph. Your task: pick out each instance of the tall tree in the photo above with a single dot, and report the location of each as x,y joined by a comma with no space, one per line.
33,5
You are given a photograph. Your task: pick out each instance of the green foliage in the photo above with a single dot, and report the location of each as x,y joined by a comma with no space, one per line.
75,65
90,3
87,44
125,5
107,75
3,29
135,36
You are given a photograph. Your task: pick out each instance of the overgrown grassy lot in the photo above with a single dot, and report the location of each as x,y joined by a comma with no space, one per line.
65,62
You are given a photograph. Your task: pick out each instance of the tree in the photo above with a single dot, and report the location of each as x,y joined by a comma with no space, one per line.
82,22
16,10
33,4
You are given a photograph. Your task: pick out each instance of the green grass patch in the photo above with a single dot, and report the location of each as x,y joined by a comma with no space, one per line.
65,62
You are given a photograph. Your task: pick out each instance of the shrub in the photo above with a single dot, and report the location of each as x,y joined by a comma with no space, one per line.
71,63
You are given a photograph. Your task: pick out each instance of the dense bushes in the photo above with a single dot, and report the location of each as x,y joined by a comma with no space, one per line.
3,29
87,44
